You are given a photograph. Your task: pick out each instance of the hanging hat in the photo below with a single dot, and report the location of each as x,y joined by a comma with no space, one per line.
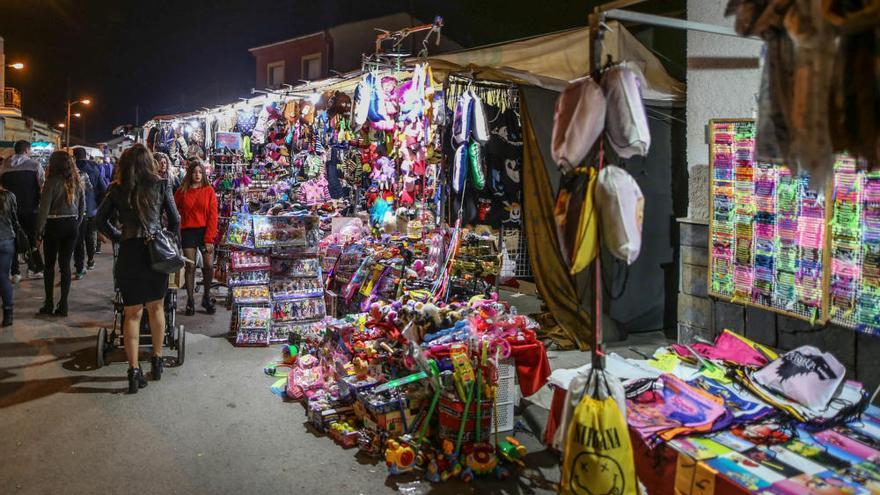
625,120
577,122
459,170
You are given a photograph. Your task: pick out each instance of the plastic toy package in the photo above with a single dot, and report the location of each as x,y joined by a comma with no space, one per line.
299,309
240,232
281,331
254,318
251,294
257,277
291,288
298,267
247,260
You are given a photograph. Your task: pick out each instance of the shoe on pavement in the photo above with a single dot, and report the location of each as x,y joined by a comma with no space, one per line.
91,265
79,275
35,274
16,278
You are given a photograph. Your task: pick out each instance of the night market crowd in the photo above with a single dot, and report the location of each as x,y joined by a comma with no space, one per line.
63,215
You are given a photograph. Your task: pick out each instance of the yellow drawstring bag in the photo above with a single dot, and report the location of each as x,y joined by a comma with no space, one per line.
598,456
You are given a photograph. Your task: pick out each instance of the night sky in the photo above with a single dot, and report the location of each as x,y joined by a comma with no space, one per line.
169,56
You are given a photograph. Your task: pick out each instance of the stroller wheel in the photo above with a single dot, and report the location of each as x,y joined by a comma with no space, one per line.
101,347
181,345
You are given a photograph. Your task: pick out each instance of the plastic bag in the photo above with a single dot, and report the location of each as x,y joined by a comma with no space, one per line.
621,207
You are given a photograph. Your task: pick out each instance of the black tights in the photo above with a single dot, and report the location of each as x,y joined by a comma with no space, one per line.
207,272
58,244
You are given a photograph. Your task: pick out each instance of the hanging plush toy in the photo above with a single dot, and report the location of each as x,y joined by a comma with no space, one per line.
384,106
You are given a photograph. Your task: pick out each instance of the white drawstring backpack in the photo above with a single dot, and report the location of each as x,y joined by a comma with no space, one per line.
625,122
621,207
578,122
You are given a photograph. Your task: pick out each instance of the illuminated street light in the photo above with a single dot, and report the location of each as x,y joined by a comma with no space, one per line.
84,101
16,66
61,125
77,114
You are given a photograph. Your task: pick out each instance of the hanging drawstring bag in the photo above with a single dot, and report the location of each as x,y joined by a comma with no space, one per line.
459,169
621,207
577,223
477,166
479,122
461,122
625,120
578,121
598,456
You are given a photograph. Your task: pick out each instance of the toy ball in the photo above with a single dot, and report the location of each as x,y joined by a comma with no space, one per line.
289,354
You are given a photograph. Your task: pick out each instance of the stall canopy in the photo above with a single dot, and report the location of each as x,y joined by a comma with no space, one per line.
550,61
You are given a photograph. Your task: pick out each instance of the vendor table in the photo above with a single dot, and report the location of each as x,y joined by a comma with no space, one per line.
698,465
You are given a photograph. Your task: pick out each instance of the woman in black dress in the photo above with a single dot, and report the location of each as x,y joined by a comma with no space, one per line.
140,197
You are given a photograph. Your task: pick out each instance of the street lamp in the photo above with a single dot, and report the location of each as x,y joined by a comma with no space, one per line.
16,66
77,115
70,104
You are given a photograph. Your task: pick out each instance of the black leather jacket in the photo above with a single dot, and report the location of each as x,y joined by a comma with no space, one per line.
116,202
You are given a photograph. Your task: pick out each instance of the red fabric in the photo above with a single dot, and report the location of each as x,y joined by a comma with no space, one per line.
198,208
555,415
532,365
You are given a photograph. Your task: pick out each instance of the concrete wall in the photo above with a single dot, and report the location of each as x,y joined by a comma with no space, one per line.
723,79
722,82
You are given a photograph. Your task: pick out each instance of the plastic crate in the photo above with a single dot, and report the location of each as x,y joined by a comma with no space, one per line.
507,395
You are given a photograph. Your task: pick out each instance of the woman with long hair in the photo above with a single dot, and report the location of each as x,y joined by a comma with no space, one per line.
62,208
138,198
197,203
9,228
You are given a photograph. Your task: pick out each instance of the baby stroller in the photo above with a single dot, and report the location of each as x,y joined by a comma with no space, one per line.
175,336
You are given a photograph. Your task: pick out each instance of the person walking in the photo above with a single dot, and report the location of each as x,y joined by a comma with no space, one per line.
106,169
197,203
23,176
9,227
139,198
62,209
166,171
94,192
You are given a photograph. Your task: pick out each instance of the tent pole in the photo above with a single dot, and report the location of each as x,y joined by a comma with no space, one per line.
597,350
670,22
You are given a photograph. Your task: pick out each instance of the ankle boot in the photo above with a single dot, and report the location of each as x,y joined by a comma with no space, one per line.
7,317
157,366
47,309
208,305
190,307
136,380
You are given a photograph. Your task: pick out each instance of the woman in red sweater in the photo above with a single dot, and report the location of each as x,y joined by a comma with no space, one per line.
197,203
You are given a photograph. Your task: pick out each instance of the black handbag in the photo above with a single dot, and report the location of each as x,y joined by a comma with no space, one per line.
165,255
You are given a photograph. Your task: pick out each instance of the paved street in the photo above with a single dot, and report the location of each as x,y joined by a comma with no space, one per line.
210,426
